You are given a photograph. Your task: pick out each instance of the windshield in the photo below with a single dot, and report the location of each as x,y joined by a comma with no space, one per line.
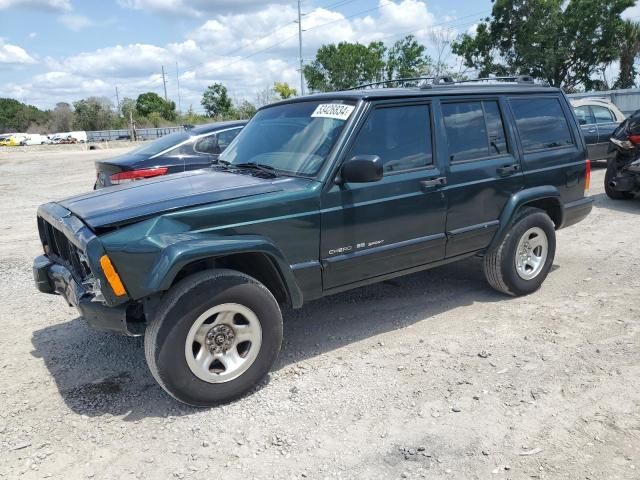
294,138
162,143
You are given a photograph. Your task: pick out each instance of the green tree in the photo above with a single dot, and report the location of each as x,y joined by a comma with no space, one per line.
216,101
629,50
150,102
284,90
561,41
345,65
16,116
245,110
93,113
407,58
61,117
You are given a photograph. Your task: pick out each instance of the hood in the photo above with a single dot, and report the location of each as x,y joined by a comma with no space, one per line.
134,201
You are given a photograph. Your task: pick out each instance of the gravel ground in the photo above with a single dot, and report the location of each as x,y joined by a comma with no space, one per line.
433,375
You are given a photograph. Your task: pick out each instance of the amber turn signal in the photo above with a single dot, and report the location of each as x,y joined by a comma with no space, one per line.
112,276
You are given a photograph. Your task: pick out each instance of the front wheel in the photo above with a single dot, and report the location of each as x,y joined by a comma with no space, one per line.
522,260
215,336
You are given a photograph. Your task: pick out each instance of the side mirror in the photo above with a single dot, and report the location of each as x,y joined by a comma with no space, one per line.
361,169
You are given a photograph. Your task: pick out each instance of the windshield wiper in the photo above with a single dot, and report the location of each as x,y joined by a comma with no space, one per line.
267,169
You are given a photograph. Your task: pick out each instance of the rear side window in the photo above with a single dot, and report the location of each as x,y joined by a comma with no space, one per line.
541,123
602,114
474,130
207,145
225,137
584,115
400,136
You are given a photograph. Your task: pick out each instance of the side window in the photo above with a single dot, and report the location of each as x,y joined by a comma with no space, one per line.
207,144
495,127
583,113
224,138
541,123
474,130
602,114
400,136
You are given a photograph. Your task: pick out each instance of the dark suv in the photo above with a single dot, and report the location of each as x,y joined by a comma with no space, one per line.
318,195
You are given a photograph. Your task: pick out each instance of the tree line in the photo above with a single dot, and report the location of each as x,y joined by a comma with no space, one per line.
569,44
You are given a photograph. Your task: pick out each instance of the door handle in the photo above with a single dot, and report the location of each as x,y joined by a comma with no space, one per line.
434,182
508,170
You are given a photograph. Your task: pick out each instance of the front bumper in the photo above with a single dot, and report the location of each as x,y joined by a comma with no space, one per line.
54,278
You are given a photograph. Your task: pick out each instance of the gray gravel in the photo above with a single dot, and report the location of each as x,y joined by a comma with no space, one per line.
433,375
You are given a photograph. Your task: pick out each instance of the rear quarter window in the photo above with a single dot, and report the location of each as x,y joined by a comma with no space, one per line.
541,123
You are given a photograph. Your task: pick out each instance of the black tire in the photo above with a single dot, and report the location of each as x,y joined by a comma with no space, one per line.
610,174
165,337
500,263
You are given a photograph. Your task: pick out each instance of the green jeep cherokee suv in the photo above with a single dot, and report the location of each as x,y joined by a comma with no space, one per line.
317,195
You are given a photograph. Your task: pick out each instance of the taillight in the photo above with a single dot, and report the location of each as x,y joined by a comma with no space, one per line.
587,176
132,175
635,139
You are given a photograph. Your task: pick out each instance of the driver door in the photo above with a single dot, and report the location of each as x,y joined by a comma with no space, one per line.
396,223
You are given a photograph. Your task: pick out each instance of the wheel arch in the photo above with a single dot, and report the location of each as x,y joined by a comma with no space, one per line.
251,255
546,198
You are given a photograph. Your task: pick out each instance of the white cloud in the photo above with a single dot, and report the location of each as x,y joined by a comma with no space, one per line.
50,5
632,12
33,35
190,8
247,51
13,54
75,22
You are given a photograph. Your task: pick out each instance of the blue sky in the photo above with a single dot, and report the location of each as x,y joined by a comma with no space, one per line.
64,50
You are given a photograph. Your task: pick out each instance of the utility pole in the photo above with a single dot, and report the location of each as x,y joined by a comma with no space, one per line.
164,82
178,85
300,48
118,100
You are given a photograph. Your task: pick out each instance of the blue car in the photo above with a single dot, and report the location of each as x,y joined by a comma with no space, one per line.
191,149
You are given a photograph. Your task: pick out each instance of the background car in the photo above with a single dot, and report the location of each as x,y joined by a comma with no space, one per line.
13,140
37,139
598,118
190,149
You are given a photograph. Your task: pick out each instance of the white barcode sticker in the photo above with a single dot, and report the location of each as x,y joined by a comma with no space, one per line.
338,111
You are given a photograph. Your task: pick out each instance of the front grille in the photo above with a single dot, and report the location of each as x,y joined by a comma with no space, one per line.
58,247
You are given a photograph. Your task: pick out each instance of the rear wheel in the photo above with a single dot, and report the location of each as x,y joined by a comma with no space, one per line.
215,336
522,260
611,173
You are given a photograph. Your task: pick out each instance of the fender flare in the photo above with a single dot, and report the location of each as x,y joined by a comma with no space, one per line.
519,200
191,248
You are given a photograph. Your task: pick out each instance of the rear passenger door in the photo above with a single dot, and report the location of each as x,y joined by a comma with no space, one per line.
483,171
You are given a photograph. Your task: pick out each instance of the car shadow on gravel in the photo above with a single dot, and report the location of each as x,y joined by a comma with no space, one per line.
99,373
333,322
627,206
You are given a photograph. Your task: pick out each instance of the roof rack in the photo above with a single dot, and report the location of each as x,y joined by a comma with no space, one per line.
447,80
385,82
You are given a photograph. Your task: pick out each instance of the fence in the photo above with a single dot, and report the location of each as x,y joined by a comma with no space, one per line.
628,101
124,134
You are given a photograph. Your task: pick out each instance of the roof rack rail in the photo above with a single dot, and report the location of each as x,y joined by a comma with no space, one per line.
385,82
447,80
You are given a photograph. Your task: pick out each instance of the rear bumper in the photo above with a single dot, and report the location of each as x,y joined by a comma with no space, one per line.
54,278
626,181
576,211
